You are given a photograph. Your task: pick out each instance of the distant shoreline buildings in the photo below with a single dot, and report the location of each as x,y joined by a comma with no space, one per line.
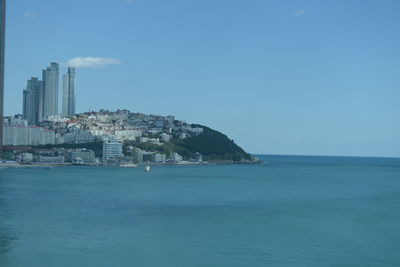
125,136
40,98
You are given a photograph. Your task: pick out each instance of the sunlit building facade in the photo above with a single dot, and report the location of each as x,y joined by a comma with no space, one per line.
50,90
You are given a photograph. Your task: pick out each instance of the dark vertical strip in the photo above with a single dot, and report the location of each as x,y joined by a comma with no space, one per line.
2,48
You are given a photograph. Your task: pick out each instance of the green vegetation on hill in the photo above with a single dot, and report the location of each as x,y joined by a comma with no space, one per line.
213,145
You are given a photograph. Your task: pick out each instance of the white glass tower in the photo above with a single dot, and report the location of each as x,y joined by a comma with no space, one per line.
68,108
50,90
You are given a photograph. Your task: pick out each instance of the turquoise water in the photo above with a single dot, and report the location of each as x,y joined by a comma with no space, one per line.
289,211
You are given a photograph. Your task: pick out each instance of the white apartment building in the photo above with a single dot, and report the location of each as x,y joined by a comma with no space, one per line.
129,135
27,135
112,149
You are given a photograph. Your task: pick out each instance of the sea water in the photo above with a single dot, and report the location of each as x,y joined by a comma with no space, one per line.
288,211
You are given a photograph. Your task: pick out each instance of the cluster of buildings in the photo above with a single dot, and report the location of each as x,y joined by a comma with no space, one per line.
123,135
59,156
17,132
40,104
40,98
38,135
43,134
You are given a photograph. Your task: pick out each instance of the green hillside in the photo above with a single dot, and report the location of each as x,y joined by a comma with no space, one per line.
213,145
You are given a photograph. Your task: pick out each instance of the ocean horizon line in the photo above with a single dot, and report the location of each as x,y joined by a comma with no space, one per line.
326,156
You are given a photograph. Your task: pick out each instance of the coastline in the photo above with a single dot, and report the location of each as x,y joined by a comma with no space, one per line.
50,165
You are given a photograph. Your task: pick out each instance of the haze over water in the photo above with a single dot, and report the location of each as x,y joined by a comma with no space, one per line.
289,211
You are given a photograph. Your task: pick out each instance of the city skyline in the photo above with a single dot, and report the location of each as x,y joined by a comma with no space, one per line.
41,97
294,77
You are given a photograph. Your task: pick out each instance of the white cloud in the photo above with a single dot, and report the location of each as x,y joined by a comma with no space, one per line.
92,62
31,14
298,13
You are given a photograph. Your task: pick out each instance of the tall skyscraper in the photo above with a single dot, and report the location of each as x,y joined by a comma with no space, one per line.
41,100
26,106
32,101
68,108
50,90
41,97
2,44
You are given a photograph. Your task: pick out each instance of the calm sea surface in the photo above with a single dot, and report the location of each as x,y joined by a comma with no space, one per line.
289,211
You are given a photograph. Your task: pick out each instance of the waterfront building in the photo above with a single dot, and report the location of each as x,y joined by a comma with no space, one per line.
85,156
68,101
175,157
50,90
159,158
112,150
26,157
2,47
51,159
137,155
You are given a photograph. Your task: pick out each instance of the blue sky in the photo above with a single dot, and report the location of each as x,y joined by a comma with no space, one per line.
278,77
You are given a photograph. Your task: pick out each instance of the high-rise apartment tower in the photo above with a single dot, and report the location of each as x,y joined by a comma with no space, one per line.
32,100
68,107
41,96
50,90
